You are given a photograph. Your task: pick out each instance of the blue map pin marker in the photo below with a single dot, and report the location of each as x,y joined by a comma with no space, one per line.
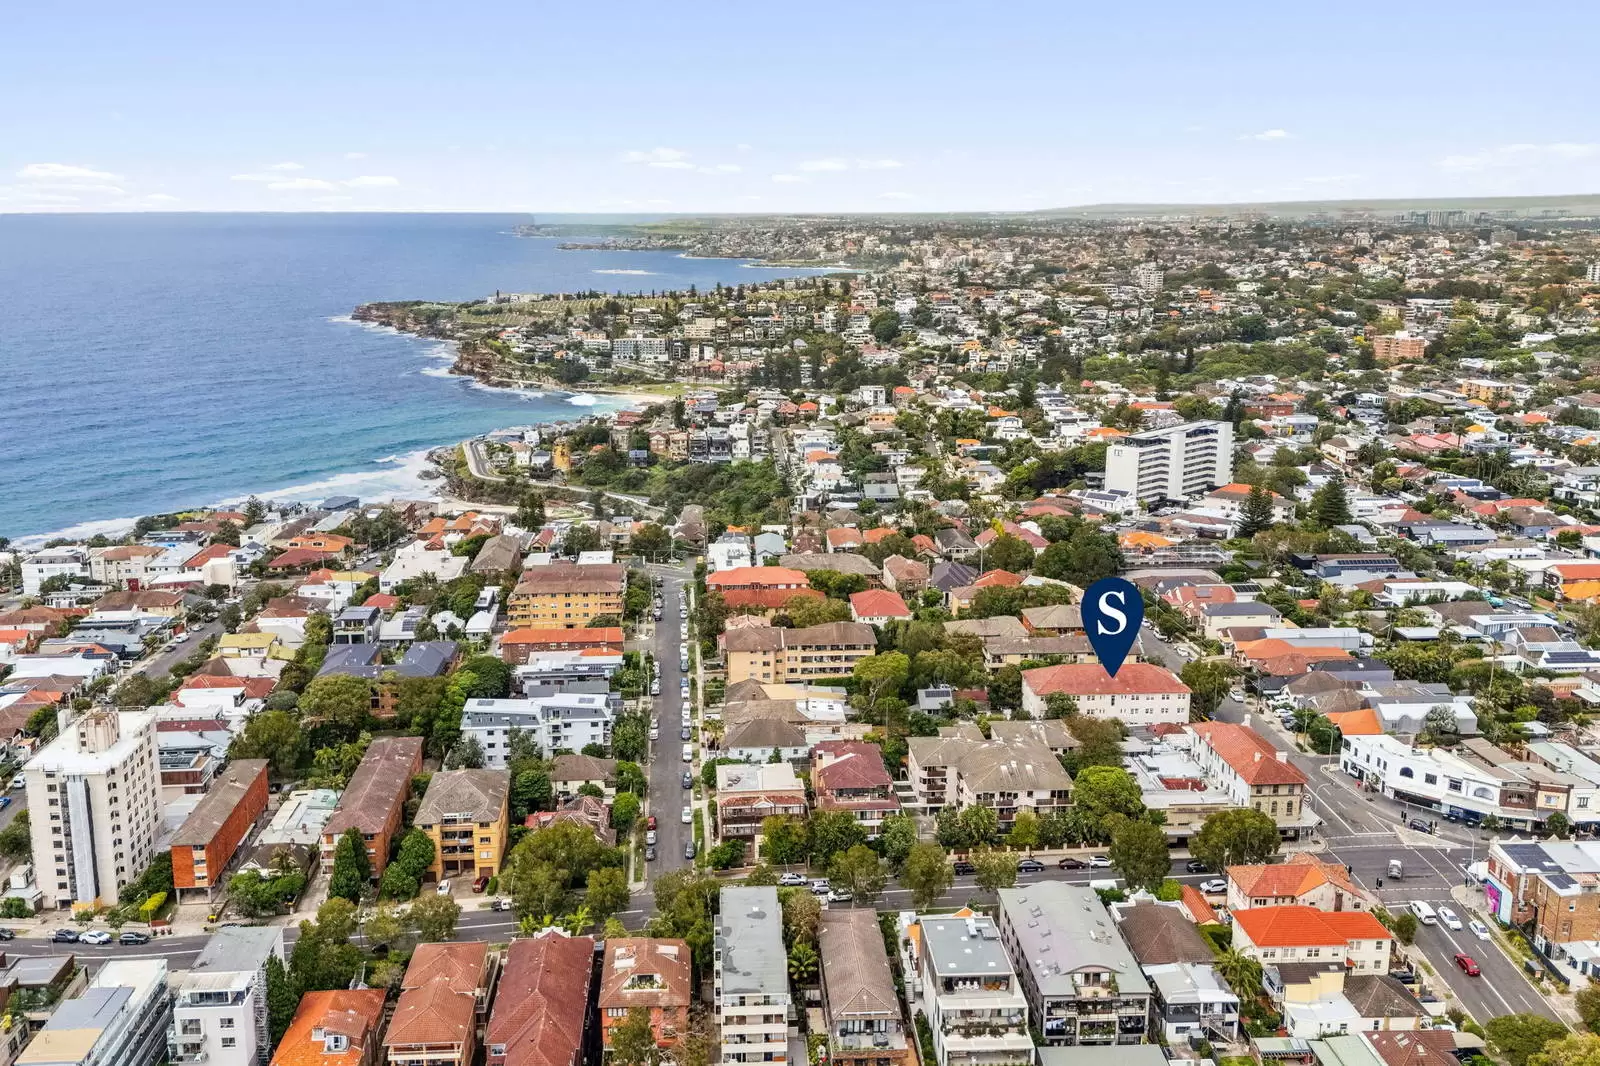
1112,612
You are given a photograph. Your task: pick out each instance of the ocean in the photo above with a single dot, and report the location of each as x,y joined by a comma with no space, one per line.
152,362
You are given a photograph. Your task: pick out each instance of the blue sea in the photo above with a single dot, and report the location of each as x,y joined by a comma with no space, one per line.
153,362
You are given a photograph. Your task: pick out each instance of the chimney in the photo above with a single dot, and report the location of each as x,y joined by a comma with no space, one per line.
1257,755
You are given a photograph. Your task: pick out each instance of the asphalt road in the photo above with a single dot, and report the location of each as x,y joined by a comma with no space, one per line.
164,662
667,796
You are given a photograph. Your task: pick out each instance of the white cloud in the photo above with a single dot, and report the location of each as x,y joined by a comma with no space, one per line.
722,168
789,179
56,172
658,202
285,166
1266,135
824,164
1520,155
879,164
663,158
161,198
355,155
301,185
1332,179
373,181
895,196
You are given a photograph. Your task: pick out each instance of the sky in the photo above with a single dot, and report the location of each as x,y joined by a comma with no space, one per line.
873,105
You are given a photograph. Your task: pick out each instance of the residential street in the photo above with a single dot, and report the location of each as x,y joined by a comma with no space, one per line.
667,796
164,662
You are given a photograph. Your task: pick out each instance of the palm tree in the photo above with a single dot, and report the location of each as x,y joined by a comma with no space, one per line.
1242,973
579,920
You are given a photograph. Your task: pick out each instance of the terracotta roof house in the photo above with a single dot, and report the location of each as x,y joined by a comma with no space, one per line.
444,992
849,775
541,1009
1419,1047
375,799
338,1028
1302,934
859,1005
1301,879
1141,694
905,575
570,772
878,607
651,975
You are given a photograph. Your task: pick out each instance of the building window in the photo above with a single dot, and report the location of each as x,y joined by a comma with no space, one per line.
229,1041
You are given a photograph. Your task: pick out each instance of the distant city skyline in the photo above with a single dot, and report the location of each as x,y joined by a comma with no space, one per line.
636,108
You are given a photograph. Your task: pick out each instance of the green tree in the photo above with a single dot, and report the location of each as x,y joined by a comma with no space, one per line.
1024,834
1255,514
784,840
283,999
624,812
16,839
1405,927
1099,743
885,326
1242,973
1587,1002
1102,791
898,835
1209,681
341,700
927,875
272,735
352,868
1139,852
633,1042
434,917
980,826
1330,505
1574,1049
802,913
1239,837
860,872
606,892
993,870
1007,552
878,676
833,832
1519,1037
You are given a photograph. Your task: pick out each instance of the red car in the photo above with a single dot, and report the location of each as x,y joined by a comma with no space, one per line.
480,884
650,823
1467,965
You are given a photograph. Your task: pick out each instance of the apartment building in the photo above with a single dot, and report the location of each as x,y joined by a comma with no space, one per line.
640,973
1399,347
465,813
750,977
959,975
565,720
219,1012
1300,880
1254,773
961,769
520,645
1552,888
211,835
849,775
444,996
94,800
1174,463
375,799
1274,935
750,793
541,1009
1083,985
774,654
121,1019
567,595
1142,694
338,1028
860,1009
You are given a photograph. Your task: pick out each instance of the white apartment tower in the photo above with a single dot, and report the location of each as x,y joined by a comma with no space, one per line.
1173,463
751,975
95,803
219,1016
1149,277
1592,275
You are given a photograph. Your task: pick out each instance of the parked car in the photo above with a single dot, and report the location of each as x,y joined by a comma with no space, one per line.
500,904
650,822
7,934
1195,866
1449,918
480,883
839,895
64,936
1214,886
819,886
1069,863
96,937
444,887
649,837
688,849
791,878
1467,964
963,867
1479,930
1030,866
133,936
1100,862
688,779
688,815
649,854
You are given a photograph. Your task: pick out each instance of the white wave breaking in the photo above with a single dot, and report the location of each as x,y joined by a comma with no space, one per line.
633,273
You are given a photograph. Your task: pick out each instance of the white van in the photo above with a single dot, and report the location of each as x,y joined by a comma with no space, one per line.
1424,913
688,753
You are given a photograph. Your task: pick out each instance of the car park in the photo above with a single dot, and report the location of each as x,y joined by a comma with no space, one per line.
1030,866
1468,965
1215,886
688,815
791,878
1449,917
133,936
1100,862
1069,863
1479,930
97,937
64,936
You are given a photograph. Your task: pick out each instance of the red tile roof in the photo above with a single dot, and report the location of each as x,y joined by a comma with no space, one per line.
878,603
1252,756
1300,874
355,1014
542,1000
1091,679
1296,926
758,577
766,599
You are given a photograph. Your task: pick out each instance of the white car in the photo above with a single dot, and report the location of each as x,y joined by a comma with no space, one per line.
1449,918
688,815
1099,862
791,879
1214,886
94,936
1479,930
819,886
444,887
649,836
655,733
839,895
